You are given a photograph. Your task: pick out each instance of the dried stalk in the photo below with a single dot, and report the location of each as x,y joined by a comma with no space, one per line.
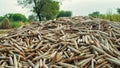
66,65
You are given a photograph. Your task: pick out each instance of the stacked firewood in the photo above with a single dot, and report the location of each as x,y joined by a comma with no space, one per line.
75,42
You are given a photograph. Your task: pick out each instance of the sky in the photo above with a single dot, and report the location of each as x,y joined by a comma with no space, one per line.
78,7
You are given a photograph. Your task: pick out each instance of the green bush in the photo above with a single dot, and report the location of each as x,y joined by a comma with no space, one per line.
15,24
16,17
5,24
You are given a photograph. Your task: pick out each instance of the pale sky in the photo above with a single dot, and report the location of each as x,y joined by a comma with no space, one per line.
78,7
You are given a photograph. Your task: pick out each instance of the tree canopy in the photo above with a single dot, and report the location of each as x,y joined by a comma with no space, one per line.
1,18
50,9
43,8
65,14
118,10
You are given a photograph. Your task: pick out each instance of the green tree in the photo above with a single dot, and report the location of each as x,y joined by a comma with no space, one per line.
65,14
95,14
32,17
50,10
42,8
1,18
118,10
16,17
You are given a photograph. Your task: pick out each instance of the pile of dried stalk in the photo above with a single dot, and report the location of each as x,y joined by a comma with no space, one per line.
75,42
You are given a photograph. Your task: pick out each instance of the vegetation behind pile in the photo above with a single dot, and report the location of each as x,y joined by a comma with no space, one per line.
108,16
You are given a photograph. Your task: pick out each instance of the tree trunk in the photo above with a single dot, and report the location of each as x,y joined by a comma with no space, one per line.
38,9
39,16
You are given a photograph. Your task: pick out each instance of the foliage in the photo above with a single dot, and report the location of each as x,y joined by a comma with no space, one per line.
16,17
13,20
118,10
43,8
5,24
18,24
32,18
108,16
64,14
112,17
50,9
1,18
15,24
94,14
